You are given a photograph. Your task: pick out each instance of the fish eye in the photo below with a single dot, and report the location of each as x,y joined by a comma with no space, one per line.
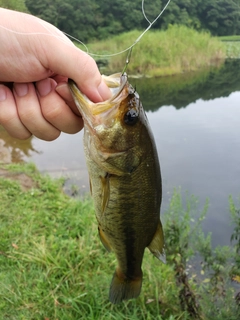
131,117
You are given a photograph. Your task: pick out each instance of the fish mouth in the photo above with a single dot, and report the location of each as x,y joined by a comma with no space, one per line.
115,82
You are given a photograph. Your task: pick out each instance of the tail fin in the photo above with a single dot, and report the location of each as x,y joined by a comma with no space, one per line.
124,288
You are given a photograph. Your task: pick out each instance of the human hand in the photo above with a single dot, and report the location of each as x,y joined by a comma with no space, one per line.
36,61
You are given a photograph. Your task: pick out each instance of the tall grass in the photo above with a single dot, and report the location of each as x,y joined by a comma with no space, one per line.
173,51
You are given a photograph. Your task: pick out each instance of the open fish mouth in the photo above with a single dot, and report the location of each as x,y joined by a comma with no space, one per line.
116,83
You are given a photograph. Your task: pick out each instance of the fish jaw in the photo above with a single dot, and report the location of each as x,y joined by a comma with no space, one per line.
90,111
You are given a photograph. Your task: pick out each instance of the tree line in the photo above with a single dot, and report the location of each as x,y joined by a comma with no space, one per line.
98,19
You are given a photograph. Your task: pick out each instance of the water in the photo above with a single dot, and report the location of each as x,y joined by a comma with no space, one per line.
195,119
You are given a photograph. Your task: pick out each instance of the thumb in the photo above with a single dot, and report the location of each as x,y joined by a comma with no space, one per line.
67,60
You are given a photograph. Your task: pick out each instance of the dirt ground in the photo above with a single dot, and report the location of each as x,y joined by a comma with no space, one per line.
25,181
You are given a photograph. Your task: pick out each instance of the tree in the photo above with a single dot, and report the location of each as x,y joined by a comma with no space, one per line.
221,17
98,19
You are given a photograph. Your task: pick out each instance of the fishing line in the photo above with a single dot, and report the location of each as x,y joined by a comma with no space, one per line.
51,34
137,40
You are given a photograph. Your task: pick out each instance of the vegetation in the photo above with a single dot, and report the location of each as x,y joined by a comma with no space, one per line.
185,88
53,266
99,19
89,19
18,5
173,51
178,49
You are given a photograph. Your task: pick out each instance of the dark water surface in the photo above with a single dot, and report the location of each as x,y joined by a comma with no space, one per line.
195,119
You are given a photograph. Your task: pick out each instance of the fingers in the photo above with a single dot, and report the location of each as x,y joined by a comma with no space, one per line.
63,90
30,113
46,54
36,110
9,118
55,110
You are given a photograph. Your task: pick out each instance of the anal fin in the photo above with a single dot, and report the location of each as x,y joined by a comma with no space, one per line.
157,244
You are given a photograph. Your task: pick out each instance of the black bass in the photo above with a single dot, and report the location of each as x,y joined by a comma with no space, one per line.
125,181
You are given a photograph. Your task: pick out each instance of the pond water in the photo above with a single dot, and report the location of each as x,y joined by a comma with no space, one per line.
195,119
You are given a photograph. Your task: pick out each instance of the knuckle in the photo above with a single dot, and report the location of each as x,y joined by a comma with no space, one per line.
27,115
48,136
21,134
51,113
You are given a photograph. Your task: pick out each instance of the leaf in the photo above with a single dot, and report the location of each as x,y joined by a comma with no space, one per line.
236,278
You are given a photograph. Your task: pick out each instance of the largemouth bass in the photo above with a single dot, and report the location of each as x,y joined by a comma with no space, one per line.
125,181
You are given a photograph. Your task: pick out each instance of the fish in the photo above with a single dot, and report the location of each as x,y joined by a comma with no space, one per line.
125,181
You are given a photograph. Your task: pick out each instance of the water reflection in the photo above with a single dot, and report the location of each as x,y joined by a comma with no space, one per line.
13,149
181,90
199,149
196,125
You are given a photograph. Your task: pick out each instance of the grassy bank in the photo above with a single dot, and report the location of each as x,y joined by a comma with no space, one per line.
53,266
169,52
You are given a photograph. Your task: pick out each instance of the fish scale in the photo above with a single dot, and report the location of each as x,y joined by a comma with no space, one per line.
125,181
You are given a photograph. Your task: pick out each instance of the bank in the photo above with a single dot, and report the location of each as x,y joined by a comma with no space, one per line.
159,53
53,265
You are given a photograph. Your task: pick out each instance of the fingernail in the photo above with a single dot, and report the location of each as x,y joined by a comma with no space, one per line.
3,94
44,87
104,91
21,89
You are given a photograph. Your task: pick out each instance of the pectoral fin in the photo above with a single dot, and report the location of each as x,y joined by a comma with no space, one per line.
104,239
90,186
105,191
157,244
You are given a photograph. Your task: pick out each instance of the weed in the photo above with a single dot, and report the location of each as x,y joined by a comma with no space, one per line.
159,53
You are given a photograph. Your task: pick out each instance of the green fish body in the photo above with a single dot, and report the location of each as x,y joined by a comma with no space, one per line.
125,181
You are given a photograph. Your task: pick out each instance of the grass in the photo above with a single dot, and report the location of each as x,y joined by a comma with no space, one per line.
233,50
53,266
176,50
230,38
232,44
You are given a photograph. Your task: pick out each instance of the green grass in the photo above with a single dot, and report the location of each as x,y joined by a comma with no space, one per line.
230,38
176,50
233,49
53,266
232,44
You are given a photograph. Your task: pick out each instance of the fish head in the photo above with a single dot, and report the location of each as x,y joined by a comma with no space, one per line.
115,128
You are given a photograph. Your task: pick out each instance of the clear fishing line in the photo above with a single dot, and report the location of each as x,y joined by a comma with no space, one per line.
135,42
51,34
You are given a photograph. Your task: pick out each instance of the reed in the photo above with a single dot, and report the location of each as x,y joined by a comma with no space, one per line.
159,53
